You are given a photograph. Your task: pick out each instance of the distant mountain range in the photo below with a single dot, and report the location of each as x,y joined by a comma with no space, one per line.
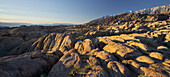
6,24
154,10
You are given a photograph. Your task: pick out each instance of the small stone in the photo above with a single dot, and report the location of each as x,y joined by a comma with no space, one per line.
162,48
167,60
168,37
145,59
164,63
156,55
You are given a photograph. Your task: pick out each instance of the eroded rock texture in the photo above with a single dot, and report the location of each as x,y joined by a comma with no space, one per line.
124,45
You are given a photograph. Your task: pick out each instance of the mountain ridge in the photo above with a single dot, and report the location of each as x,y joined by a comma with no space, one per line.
154,10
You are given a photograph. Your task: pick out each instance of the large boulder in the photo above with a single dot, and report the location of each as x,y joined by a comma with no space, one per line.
50,42
140,46
65,65
88,45
121,50
22,48
105,56
114,68
23,67
84,47
117,69
67,43
9,43
116,47
31,64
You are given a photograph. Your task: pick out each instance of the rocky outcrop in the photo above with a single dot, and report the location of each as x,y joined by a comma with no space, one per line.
74,64
84,47
124,45
121,50
22,48
65,65
50,42
31,64
8,43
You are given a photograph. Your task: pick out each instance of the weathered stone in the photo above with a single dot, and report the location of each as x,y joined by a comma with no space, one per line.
51,58
106,56
145,59
116,69
67,43
57,41
79,46
38,66
156,55
97,71
84,47
65,65
148,41
88,45
122,50
9,43
116,47
142,47
31,64
52,42
113,69
94,51
104,40
151,73
93,61
22,48
134,66
162,48
123,69
168,37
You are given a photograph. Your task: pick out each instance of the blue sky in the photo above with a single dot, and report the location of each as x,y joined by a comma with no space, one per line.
68,11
